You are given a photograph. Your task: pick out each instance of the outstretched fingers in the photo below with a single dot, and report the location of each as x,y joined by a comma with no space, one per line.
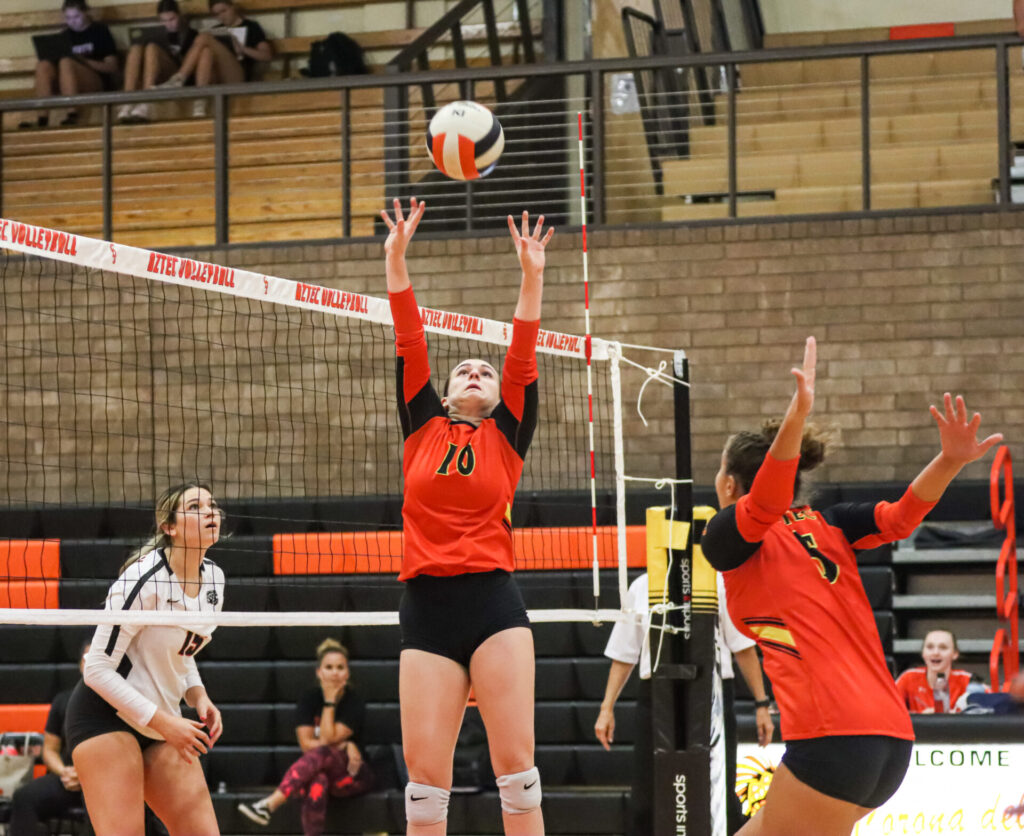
512,229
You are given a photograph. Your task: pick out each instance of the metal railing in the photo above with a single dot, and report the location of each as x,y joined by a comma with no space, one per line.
514,182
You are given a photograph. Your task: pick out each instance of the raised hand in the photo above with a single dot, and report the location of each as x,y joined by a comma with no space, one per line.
959,436
400,230
530,248
803,398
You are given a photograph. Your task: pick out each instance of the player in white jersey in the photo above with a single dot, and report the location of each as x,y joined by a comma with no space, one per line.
128,740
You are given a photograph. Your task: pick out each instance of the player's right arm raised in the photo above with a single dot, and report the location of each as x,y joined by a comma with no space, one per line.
400,232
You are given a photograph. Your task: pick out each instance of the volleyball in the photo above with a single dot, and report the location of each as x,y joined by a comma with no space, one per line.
465,139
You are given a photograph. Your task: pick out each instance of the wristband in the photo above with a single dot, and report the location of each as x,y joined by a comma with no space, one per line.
765,703
329,705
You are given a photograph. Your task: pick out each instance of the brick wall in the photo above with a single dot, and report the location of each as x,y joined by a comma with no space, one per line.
903,309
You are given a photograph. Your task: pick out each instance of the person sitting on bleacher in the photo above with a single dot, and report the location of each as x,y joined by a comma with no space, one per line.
149,64
935,687
53,794
329,718
91,67
226,54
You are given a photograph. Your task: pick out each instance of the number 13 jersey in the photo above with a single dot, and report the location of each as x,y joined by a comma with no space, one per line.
460,480
138,669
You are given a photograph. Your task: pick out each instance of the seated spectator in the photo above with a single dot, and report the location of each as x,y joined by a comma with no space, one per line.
329,718
217,57
92,66
149,64
53,794
935,688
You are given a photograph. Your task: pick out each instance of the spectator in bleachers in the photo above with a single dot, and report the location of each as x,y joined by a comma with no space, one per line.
53,794
329,719
627,646
92,66
227,54
935,687
149,64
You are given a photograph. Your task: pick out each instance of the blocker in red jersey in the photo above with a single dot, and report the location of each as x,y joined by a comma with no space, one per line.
465,139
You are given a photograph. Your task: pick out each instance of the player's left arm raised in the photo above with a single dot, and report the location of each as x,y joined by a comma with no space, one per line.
960,446
530,249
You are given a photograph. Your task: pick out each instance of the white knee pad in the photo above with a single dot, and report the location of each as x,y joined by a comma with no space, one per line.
520,793
425,804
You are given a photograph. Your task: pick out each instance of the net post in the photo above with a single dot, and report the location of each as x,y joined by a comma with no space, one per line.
220,164
107,166
682,684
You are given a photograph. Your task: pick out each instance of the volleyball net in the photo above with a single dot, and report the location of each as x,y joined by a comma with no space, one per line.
124,371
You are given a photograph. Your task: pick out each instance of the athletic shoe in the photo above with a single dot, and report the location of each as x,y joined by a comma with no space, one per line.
199,109
256,812
172,82
142,112
124,113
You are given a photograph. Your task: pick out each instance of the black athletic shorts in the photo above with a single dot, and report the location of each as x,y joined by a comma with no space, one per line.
863,769
453,616
89,715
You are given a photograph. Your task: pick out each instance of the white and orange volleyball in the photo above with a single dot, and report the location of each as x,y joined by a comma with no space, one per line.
464,139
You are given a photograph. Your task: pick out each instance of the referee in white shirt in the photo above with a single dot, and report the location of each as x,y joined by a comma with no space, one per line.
626,647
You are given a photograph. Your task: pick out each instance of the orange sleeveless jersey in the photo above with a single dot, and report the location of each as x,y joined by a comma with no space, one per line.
792,585
460,480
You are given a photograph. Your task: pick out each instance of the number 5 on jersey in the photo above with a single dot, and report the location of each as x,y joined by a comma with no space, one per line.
828,568
464,462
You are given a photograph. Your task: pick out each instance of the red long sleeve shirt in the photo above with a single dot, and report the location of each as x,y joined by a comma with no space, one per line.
460,479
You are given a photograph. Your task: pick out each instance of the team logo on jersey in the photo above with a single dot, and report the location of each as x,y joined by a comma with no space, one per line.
211,597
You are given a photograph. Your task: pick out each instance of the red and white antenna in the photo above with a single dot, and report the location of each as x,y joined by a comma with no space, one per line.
590,380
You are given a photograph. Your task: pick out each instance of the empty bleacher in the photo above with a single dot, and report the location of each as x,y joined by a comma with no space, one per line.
933,134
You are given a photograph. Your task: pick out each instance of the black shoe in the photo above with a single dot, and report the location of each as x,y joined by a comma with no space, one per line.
40,122
70,118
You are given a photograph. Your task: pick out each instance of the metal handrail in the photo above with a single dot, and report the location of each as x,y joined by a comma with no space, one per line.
593,71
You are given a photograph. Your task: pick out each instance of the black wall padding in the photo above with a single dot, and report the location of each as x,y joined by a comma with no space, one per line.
384,642
94,559
300,643
248,723
242,766
886,624
28,643
242,556
554,640
83,594
28,683
238,681
239,644
878,584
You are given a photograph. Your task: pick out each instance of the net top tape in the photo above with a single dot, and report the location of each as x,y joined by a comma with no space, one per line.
180,270
71,617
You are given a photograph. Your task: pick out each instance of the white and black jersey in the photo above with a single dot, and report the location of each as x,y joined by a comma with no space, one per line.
138,669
